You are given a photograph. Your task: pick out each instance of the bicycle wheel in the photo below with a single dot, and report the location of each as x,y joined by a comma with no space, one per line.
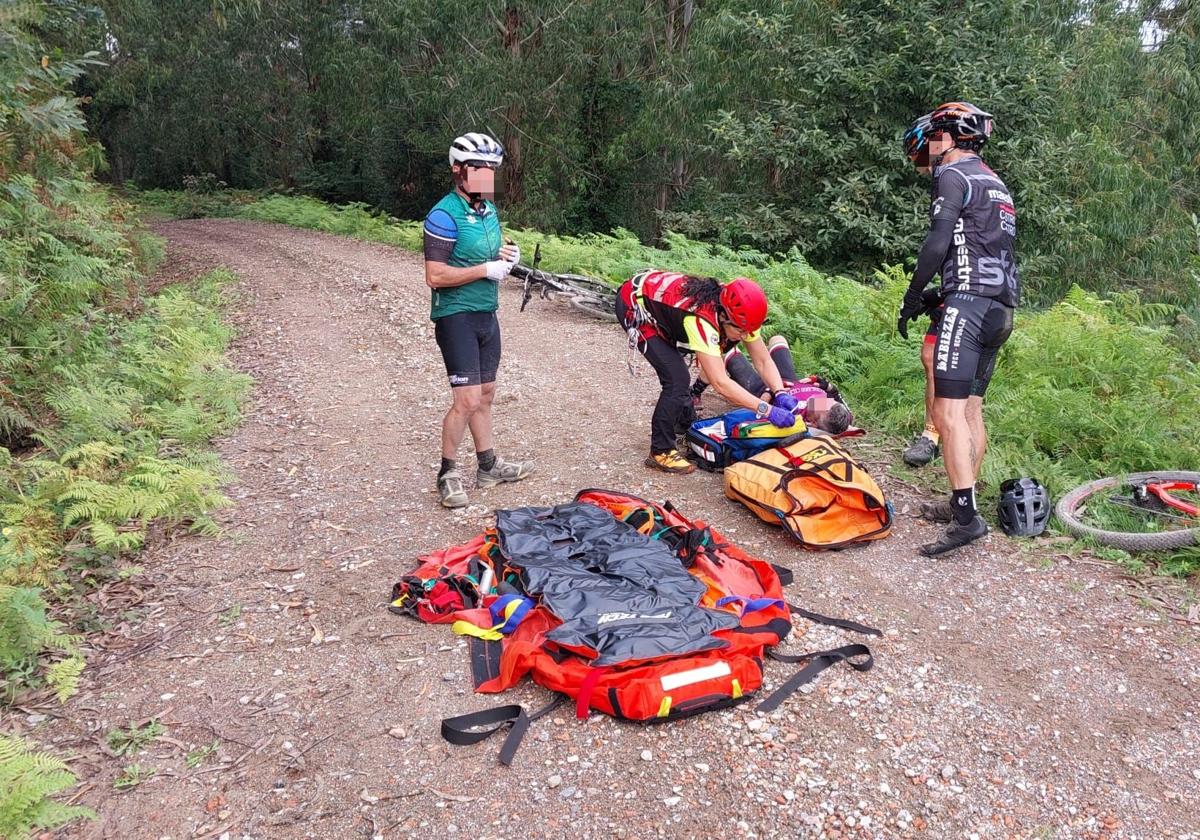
587,284
597,308
1068,509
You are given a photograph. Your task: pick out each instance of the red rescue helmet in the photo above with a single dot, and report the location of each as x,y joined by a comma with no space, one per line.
744,303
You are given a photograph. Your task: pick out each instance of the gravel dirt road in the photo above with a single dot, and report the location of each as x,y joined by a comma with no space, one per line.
1017,692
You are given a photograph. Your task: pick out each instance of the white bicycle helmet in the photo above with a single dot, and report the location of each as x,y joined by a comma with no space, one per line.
476,147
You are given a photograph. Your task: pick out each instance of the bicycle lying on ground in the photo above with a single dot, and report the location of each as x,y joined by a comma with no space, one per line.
588,295
1156,515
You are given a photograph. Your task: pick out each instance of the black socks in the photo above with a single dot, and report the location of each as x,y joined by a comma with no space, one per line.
967,526
962,502
486,458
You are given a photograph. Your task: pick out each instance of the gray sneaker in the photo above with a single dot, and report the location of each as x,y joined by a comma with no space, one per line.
920,452
450,486
939,511
503,471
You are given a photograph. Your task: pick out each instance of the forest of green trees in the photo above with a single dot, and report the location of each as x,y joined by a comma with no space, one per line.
768,123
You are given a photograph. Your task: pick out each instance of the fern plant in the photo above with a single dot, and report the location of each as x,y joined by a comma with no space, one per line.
63,676
25,629
136,403
28,781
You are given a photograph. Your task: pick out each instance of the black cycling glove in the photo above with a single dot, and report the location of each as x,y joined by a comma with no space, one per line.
912,308
931,298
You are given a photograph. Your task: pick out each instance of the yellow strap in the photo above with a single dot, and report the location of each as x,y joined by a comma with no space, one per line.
737,689
769,430
664,708
466,628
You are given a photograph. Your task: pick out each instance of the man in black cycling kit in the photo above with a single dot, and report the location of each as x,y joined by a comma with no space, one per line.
972,230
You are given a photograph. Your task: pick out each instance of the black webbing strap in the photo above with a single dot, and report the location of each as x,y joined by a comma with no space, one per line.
474,727
693,542
843,623
786,577
485,659
819,661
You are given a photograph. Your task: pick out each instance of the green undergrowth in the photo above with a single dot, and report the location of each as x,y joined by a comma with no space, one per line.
202,197
1084,388
109,398
28,782
133,407
121,442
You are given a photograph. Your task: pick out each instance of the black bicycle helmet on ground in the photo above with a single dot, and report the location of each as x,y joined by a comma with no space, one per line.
1024,507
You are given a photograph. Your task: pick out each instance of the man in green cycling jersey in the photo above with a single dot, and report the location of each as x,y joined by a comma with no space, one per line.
465,258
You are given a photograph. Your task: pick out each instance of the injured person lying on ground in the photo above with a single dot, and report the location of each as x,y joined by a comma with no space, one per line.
820,404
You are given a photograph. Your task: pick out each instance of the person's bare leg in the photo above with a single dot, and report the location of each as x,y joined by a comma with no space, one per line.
979,438
923,449
491,468
466,400
931,430
958,448
464,404
960,455
480,421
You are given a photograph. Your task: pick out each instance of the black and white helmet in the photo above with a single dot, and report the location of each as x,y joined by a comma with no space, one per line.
1023,508
476,147
968,125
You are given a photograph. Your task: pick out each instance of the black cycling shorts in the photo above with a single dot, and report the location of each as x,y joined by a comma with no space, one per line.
972,331
470,345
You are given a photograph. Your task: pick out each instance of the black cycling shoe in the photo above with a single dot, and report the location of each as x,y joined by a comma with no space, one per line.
956,536
920,452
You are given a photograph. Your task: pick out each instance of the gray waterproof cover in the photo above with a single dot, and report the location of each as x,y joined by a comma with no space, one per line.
618,592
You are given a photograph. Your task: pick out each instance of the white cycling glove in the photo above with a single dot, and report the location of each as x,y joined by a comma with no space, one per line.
498,269
516,249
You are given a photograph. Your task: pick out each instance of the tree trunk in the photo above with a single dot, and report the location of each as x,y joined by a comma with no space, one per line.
774,170
678,26
514,159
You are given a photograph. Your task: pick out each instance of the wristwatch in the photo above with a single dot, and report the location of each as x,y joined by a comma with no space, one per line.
763,409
